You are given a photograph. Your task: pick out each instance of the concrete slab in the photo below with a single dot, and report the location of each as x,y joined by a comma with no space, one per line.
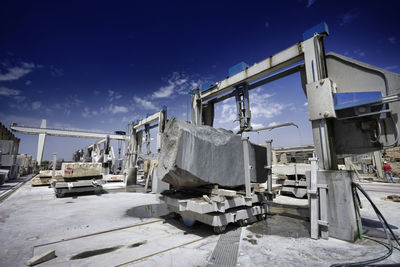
42,257
33,216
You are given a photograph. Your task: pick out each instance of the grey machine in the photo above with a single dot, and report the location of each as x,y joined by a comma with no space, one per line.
133,148
353,108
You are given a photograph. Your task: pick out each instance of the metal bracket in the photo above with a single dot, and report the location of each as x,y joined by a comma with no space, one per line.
324,186
323,223
243,106
312,192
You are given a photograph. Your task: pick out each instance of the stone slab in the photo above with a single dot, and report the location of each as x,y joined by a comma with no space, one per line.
48,173
80,169
193,156
45,256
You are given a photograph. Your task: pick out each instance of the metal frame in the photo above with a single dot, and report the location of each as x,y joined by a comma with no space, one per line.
133,147
312,52
42,132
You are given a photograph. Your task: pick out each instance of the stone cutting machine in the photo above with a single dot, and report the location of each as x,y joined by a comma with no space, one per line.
353,108
133,147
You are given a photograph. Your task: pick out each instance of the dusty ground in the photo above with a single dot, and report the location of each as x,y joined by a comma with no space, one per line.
395,168
294,248
32,220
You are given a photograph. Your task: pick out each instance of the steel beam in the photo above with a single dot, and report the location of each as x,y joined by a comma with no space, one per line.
276,62
65,133
150,119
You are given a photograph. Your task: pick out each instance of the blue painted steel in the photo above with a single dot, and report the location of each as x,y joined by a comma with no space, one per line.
206,85
348,100
320,28
237,68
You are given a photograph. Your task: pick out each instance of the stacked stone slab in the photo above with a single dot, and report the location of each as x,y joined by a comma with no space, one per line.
193,156
80,169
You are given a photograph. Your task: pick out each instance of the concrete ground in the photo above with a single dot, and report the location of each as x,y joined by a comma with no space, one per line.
121,228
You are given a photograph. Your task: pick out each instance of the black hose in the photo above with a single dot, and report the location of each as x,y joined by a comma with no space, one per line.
380,242
377,211
385,226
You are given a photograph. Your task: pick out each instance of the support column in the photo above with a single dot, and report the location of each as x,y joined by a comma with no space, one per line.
158,186
196,109
41,140
247,167
269,168
377,156
130,175
53,173
313,199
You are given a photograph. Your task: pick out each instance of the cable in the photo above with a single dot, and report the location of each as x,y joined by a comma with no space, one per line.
377,211
397,135
385,226
380,242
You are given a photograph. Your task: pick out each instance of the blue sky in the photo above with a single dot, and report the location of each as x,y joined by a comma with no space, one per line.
97,65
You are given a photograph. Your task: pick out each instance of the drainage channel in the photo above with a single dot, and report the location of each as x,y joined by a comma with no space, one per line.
12,189
226,251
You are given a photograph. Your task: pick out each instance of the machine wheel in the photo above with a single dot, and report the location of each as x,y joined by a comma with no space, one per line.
186,221
242,223
219,229
260,217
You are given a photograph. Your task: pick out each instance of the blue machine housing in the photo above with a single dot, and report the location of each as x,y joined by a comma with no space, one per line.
320,29
348,100
237,68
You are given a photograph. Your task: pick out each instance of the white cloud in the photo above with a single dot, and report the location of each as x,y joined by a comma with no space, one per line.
16,72
228,112
113,95
359,53
28,82
310,3
129,119
392,67
261,106
266,24
114,109
56,72
36,105
86,112
69,103
164,91
19,98
145,104
4,91
305,104
7,119
177,83
348,17
392,39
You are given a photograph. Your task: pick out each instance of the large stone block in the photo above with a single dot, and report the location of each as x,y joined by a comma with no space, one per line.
193,156
80,169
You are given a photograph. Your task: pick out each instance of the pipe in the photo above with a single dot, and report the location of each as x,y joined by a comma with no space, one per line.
271,127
